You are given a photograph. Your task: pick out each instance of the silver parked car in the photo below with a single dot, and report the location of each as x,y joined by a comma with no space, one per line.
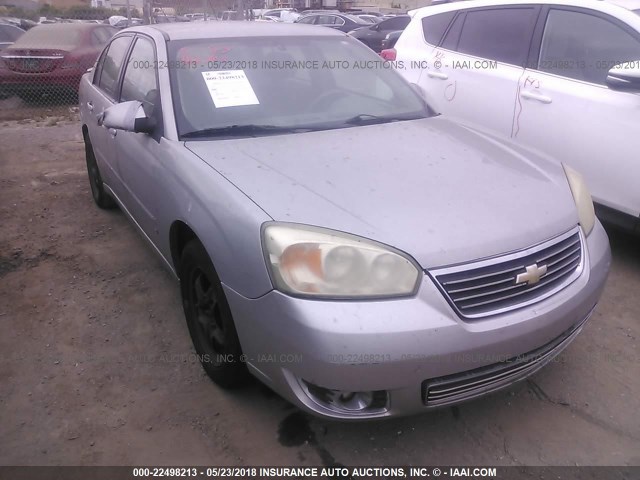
332,236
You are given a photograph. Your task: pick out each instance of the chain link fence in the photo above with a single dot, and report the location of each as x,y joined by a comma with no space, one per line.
46,48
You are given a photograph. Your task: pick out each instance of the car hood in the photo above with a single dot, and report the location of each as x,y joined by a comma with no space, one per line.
439,191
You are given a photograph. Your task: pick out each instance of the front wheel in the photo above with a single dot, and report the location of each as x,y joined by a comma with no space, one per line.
209,318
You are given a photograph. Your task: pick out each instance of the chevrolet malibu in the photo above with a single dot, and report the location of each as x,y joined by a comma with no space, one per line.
332,236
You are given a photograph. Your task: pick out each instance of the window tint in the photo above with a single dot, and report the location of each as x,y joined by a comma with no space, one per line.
434,26
308,19
113,59
140,80
498,34
584,47
397,23
450,41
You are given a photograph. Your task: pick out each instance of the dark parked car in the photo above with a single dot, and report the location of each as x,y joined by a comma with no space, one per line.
373,35
8,35
339,21
51,57
391,39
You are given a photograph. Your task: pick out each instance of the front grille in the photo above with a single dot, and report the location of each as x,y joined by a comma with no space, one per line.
459,387
515,280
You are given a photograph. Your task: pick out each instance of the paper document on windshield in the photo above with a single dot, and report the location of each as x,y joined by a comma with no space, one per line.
230,88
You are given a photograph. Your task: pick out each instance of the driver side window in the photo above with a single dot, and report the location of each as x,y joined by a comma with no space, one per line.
140,81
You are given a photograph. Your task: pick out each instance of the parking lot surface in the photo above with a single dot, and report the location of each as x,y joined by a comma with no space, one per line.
97,367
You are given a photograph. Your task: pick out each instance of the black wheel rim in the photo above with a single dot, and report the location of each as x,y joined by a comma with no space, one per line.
207,312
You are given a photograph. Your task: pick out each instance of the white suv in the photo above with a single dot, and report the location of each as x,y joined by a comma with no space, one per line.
561,76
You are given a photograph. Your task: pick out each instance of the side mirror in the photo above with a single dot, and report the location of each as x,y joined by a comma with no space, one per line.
127,116
625,77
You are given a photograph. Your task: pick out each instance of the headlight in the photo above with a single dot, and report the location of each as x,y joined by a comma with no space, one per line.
318,262
582,197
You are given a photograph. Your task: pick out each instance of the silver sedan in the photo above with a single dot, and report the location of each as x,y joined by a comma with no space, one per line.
333,236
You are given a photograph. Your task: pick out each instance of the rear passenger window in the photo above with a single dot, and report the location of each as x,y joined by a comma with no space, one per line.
326,20
450,41
434,27
498,34
108,79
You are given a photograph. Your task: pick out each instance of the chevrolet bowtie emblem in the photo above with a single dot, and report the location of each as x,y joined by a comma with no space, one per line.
532,275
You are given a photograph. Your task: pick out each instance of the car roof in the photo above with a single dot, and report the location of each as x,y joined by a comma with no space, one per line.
231,29
604,6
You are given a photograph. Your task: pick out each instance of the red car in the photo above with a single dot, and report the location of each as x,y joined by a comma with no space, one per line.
51,58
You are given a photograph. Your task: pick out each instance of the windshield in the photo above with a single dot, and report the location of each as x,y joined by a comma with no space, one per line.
285,82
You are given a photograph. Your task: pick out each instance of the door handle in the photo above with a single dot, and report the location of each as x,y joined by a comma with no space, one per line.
438,75
536,96
90,106
113,132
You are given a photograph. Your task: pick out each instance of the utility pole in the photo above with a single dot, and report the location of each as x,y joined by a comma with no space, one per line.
128,13
146,11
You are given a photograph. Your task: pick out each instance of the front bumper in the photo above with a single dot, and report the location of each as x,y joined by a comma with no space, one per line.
400,346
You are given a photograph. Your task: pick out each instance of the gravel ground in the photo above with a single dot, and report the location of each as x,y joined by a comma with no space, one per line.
97,368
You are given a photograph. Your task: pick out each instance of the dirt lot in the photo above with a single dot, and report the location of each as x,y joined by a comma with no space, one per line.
97,368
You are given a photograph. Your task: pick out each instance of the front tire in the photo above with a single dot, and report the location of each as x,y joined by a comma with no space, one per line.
100,196
209,318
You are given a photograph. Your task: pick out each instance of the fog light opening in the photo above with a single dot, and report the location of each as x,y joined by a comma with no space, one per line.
344,401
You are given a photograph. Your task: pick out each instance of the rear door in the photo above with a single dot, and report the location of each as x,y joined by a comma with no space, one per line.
103,93
566,109
473,75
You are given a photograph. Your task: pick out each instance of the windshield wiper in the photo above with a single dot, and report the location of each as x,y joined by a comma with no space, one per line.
239,130
368,119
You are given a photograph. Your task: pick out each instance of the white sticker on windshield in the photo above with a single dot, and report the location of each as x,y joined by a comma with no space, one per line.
230,88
